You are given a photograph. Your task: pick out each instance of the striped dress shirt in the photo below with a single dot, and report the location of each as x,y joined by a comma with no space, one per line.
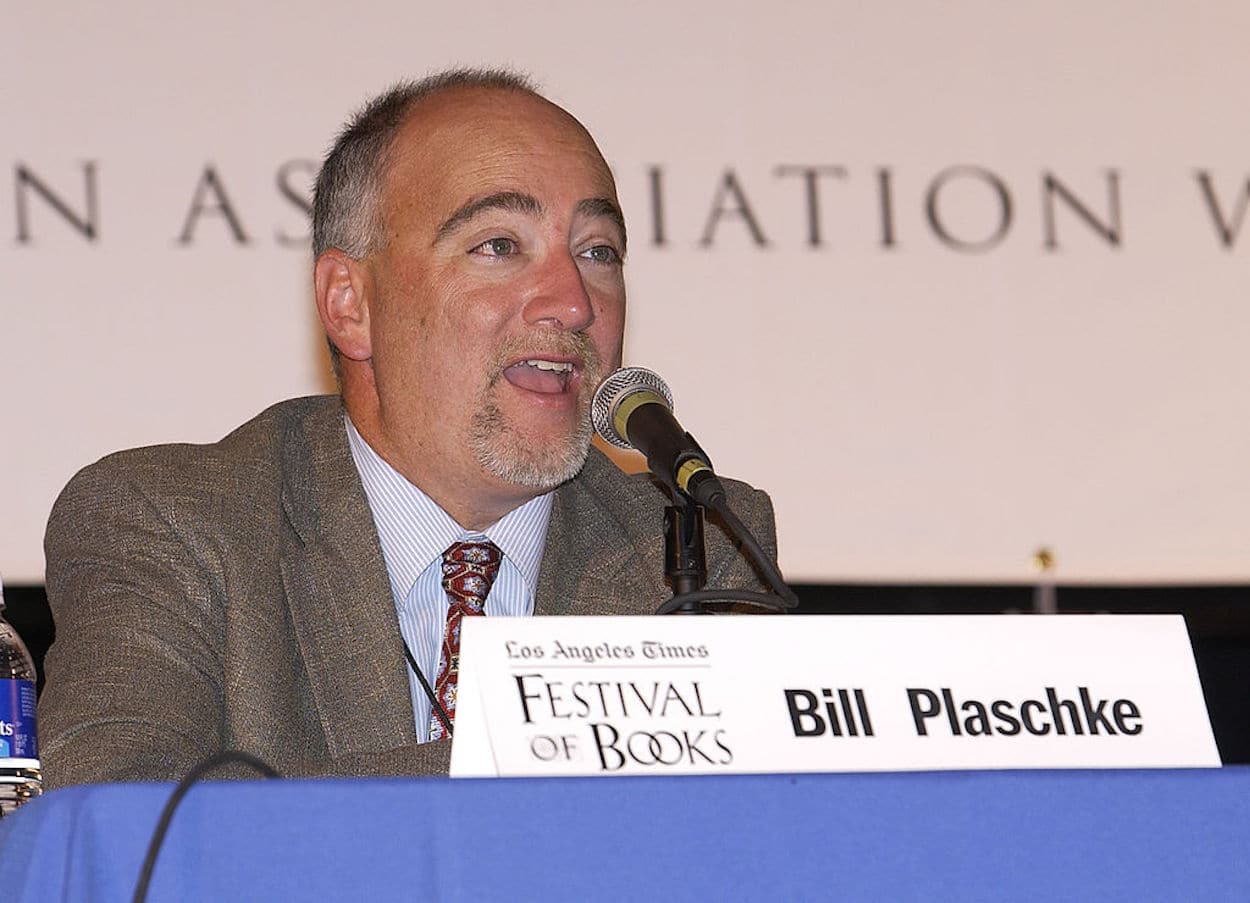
414,532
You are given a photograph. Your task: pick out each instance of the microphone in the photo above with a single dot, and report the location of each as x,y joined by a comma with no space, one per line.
633,409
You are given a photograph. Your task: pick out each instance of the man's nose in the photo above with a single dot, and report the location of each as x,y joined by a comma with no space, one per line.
559,297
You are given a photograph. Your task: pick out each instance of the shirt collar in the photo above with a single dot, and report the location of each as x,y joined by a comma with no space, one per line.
414,530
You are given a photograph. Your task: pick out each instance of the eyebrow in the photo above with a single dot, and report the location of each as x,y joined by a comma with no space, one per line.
518,202
513,201
604,207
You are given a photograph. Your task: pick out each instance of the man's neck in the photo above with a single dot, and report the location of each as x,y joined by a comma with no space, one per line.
475,501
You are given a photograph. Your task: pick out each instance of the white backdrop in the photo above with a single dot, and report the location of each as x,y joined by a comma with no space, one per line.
952,281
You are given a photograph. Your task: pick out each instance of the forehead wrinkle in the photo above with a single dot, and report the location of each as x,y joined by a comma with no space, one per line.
511,201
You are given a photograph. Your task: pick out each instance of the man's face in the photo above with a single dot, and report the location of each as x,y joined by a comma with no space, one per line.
497,295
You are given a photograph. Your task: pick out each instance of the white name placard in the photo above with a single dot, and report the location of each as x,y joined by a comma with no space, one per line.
618,696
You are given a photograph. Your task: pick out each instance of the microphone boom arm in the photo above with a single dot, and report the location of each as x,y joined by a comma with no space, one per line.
633,408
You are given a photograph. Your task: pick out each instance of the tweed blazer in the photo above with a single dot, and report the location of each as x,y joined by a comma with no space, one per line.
234,595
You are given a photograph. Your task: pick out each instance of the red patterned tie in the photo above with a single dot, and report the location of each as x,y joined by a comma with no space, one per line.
469,568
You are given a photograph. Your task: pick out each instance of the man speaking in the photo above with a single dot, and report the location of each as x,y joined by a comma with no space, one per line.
296,590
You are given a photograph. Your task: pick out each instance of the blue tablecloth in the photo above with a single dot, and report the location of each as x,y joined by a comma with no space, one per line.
993,836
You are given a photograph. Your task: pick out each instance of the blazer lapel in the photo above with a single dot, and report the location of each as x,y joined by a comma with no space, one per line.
339,594
591,563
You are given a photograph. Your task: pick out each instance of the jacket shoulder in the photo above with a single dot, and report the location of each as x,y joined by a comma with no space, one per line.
184,483
242,455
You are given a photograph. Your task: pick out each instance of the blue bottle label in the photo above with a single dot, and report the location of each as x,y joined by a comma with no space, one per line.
17,720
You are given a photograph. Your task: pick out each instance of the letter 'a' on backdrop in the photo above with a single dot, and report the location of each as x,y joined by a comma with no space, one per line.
626,696
980,268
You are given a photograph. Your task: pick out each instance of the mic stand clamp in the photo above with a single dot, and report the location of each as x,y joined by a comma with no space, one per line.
685,558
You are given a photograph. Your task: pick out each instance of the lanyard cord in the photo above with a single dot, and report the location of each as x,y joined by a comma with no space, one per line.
438,709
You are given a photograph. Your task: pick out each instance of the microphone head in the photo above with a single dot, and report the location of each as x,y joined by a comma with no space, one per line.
614,389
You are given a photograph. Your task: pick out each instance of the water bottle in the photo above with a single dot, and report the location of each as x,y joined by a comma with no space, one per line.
20,776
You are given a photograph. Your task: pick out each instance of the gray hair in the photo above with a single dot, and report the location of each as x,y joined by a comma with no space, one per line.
346,197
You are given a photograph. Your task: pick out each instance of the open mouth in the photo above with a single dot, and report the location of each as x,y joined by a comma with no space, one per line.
546,376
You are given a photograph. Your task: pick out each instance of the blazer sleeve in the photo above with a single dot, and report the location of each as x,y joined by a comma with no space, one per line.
133,679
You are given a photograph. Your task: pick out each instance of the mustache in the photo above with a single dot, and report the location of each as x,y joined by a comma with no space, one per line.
559,344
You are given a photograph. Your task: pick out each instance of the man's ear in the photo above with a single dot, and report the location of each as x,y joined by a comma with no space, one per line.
342,288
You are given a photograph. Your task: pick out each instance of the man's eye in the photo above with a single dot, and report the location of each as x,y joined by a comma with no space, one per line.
496,247
602,254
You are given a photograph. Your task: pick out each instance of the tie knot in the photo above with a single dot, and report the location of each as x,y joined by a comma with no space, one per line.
484,553
469,569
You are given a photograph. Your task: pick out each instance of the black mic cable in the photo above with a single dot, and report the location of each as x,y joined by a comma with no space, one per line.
194,776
